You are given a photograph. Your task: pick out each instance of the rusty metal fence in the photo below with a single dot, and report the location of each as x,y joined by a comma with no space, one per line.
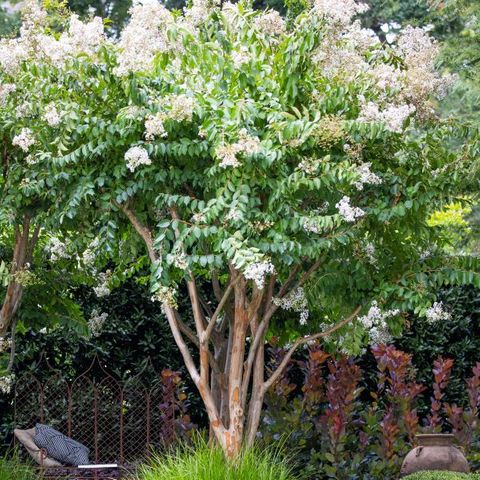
119,420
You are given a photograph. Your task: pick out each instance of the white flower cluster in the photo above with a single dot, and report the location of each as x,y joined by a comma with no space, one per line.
144,37
421,79
339,61
89,254
339,11
437,312
393,116
6,384
233,215
52,116
80,38
270,23
240,57
136,156
57,249
295,301
370,253
181,107
5,90
246,144
198,12
311,225
366,176
96,322
85,37
166,296
24,139
374,322
5,344
176,107
102,289
349,213
387,77
154,127
258,271
180,260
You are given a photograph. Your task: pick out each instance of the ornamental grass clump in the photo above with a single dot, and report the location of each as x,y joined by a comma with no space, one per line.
12,468
204,462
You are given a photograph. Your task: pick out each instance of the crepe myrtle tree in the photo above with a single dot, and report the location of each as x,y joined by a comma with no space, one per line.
266,161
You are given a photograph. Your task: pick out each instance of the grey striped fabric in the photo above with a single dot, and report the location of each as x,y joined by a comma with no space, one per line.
60,447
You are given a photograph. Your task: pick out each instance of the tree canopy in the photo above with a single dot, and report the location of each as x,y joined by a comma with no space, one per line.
274,161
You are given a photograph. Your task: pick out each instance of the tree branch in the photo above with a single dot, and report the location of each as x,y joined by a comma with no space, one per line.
276,374
218,311
177,335
141,229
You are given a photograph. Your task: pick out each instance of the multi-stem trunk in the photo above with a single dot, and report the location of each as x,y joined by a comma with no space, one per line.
230,375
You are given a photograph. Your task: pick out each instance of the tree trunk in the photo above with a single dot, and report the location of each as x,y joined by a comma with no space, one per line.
22,254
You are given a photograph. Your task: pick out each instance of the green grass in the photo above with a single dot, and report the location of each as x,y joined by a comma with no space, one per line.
12,469
442,476
202,462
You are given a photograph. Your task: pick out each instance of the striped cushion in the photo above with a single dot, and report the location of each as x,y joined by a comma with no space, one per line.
60,447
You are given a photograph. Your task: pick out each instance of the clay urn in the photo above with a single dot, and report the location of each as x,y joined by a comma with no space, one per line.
435,451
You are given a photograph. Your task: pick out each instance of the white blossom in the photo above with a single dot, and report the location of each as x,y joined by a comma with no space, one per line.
166,296
311,225
376,316
339,11
154,127
198,217
102,289
22,110
233,215
258,271
145,36
57,249
181,107
52,116
228,155
380,335
180,260
31,159
375,323
241,57
24,139
246,144
136,156
198,13
393,116
6,384
89,255
96,322
387,76
270,23
295,301
5,90
437,312
419,51
349,213
366,176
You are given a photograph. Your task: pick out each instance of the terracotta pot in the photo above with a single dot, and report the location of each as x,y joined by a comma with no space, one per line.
435,451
